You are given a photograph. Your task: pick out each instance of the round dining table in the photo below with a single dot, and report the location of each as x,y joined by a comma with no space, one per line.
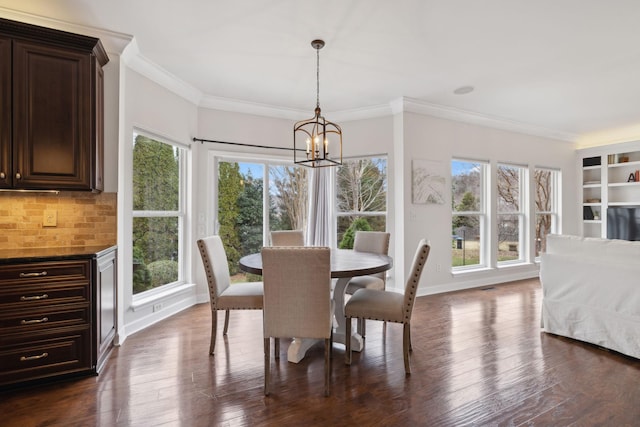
345,264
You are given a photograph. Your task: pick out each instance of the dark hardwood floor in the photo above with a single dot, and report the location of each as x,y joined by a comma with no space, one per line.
479,358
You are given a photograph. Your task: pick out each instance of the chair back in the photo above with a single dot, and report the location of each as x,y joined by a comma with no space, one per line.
214,259
297,292
287,238
376,242
411,287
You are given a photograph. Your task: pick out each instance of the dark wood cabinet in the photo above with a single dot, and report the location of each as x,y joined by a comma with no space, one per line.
105,306
51,93
57,317
5,111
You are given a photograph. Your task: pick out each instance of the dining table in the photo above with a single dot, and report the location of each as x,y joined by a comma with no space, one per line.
345,264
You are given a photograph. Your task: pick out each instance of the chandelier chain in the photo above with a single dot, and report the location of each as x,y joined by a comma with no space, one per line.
317,77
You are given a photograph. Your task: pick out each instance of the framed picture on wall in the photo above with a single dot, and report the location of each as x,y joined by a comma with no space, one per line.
427,182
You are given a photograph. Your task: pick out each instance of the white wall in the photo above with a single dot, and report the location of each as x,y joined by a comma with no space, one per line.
402,137
430,138
147,106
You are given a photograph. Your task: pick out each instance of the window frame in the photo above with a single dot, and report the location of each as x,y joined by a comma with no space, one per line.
337,214
233,157
555,212
181,215
483,215
521,213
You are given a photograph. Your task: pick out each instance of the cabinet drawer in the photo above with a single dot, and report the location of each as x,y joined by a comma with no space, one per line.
23,322
46,357
44,272
38,295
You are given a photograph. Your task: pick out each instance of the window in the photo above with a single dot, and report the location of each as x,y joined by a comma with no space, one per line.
546,201
361,198
241,220
158,212
468,180
510,212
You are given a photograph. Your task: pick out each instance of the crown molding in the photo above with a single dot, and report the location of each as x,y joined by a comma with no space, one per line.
126,46
417,106
254,108
141,64
112,41
234,105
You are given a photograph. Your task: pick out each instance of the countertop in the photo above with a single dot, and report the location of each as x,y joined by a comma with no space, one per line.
52,254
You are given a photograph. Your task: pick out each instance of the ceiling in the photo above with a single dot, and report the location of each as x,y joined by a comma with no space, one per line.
570,67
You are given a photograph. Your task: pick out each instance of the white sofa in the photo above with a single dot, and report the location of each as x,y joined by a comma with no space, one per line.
591,291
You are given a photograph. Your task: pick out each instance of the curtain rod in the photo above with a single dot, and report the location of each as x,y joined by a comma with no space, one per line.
200,140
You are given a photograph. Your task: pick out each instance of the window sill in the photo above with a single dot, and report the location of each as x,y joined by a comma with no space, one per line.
169,291
470,270
515,263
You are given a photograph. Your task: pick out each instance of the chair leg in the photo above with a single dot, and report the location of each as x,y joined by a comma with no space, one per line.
214,328
361,327
406,343
226,322
267,363
328,344
347,342
276,348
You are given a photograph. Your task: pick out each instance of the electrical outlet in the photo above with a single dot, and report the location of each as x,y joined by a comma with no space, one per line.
50,218
438,267
157,307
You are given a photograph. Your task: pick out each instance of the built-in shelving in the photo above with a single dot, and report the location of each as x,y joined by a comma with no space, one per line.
610,177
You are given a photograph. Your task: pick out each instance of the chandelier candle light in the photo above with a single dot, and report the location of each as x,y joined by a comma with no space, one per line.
316,136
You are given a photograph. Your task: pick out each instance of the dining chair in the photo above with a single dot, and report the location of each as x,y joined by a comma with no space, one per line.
378,243
393,307
287,238
297,301
222,294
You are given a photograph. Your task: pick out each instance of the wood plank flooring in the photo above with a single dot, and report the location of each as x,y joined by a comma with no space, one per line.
479,358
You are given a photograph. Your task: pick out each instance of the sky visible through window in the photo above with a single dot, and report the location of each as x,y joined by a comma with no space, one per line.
255,169
460,168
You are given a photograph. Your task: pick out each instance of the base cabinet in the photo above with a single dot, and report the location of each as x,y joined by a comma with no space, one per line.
105,306
52,322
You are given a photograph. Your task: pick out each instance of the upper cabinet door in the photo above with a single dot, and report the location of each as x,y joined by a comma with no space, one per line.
52,115
5,112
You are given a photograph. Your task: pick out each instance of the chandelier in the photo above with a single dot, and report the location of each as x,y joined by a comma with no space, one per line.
319,139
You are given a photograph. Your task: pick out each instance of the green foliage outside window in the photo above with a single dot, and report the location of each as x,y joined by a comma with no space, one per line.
360,224
361,187
156,188
230,185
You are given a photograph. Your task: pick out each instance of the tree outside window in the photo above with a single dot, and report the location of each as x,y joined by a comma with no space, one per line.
242,224
546,188
361,198
467,181
510,214
157,213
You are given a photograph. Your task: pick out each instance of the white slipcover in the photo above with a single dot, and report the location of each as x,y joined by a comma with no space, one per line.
591,291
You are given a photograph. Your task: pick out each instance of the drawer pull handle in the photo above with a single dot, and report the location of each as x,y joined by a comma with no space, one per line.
42,273
31,322
34,298
27,358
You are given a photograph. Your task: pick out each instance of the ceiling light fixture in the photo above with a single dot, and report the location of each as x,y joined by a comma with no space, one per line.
317,136
462,90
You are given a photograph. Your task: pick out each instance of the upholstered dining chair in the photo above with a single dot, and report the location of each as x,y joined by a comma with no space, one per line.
378,243
222,294
297,302
389,306
287,238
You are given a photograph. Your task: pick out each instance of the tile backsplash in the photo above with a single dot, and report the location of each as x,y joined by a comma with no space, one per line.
82,219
